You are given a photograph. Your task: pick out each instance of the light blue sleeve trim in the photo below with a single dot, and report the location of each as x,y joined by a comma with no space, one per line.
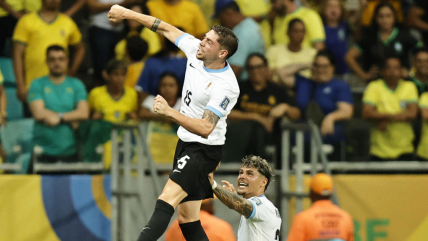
254,210
179,38
214,110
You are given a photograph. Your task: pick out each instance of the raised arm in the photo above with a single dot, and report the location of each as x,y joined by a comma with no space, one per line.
118,13
231,199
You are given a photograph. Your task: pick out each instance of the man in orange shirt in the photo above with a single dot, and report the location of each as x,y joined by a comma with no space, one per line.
323,220
215,228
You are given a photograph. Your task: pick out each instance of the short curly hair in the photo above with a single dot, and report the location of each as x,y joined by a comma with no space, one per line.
261,165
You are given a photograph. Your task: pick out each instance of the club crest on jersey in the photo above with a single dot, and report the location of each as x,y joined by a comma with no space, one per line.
225,103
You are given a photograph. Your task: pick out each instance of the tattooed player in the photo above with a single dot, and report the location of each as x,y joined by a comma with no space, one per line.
260,220
209,93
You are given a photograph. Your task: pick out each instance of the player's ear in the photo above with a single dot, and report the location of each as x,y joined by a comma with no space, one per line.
264,182
223,53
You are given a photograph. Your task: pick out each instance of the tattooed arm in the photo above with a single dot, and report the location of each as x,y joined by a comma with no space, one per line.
228,195
202,127
234,201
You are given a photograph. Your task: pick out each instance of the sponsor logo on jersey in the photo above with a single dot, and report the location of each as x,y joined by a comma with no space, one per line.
225,103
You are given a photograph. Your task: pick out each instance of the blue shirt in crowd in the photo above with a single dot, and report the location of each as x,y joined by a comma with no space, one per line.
250,41
326,95
337,42
155,67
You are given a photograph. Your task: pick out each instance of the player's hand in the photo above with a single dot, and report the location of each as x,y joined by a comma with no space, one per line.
117,13
160,105
229,186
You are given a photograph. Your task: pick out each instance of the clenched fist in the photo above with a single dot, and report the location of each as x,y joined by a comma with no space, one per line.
117,13
160,105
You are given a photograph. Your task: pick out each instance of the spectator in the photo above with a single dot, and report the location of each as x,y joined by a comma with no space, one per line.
245,28
180,13
338,30
326,101
103,35
261,100
420,70
114,102
166,60
12,10
418,18
58,103
34,33
385,38
315,35
422,150
391,103
369,10
287,60
162,137
136,49
134,28
169,89
215,228
323,220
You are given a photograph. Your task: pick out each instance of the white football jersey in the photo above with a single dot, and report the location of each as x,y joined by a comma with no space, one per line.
264,223
214,89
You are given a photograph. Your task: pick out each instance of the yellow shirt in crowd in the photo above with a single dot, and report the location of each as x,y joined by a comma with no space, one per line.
149,36
313,23
279,56
38,35
133,73
22,5
398,137
113,110
422,150
185,14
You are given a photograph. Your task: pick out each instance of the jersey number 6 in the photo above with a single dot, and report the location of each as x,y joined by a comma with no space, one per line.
182,162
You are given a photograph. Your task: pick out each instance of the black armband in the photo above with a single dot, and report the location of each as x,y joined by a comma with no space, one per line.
155,25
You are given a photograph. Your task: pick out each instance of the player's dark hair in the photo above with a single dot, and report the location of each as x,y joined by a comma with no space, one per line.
261,165
294,21
227,39
259,55
54,47
328,54
115,64
136,48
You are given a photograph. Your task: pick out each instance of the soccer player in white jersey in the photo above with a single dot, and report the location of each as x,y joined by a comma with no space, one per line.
209,93
260,220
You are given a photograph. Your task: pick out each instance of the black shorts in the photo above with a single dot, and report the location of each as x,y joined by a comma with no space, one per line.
193,162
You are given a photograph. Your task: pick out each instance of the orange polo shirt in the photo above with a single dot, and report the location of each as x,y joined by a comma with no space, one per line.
216,229
322,221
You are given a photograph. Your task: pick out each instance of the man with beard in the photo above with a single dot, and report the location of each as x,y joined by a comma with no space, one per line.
58,103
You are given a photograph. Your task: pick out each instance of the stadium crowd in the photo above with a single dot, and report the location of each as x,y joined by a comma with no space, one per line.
356,68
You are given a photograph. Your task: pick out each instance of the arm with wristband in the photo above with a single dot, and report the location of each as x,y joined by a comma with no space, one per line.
227,195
